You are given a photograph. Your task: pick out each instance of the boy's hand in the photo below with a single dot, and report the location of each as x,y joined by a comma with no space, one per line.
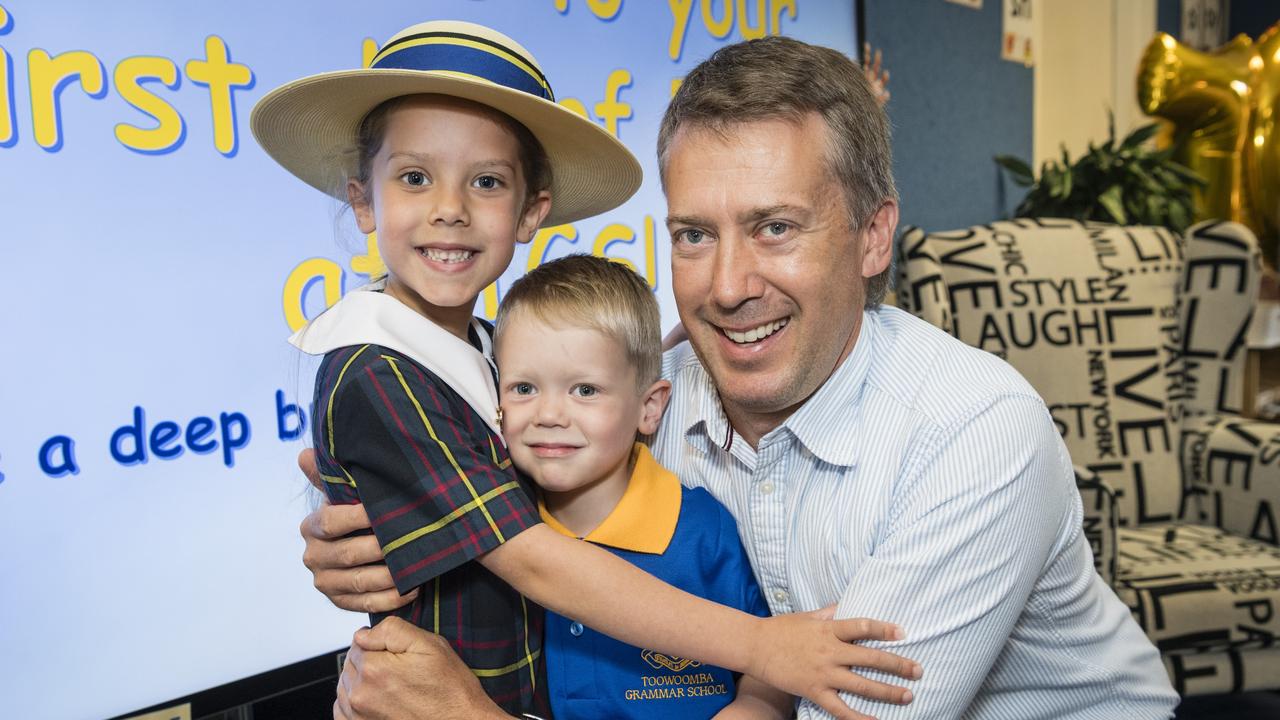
397,670
810,654
349,570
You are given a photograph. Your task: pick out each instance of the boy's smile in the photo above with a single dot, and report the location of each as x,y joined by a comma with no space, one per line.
446,196
571,407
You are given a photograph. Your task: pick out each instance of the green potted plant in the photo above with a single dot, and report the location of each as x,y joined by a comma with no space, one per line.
1127,184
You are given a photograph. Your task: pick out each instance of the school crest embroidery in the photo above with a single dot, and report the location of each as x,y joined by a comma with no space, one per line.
658,661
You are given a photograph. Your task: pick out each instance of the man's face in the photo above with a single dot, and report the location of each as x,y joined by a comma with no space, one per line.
767,272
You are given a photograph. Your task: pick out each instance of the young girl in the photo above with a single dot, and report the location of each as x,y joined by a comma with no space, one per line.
451,147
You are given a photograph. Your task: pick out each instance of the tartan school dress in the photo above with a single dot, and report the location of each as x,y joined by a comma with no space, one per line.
424,456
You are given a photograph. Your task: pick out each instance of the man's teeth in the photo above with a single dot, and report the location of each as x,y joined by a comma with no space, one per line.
757,333
446,256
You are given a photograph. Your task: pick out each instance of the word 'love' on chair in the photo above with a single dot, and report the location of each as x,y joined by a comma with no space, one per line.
1135,338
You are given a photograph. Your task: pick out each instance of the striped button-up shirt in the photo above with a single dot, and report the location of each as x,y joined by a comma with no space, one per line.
924,484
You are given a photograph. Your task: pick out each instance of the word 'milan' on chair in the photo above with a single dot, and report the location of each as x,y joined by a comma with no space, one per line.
1135,338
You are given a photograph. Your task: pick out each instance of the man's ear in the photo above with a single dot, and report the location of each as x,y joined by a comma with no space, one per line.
877,248
535,211
652,404
361,207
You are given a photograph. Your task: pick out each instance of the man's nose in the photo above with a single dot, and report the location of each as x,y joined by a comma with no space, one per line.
735,275
450,205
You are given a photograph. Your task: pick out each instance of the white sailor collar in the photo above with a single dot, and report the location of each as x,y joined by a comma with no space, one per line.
369,316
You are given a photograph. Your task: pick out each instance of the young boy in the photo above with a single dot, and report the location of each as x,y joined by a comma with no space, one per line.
451,148
578,345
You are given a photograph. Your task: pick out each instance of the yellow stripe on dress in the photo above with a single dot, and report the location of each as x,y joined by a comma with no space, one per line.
435,618
328,411
495,672
338,480
528,656
493,453
457,513
447,453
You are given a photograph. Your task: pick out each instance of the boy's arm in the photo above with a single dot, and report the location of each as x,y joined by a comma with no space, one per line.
803,653
758,701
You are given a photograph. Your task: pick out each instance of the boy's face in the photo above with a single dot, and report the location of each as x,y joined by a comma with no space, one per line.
446,197
571,405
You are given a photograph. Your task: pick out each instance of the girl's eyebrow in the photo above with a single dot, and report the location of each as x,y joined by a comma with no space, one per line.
414,156
496,163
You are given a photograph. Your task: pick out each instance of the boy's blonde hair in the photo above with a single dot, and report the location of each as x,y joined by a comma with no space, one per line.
591,292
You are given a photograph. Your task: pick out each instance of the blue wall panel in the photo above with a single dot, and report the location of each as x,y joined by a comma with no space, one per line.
954,105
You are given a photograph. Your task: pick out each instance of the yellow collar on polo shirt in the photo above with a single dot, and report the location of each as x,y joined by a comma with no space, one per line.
644,520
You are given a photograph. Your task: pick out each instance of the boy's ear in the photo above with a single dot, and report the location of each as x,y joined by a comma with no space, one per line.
361,207
652,404
535,211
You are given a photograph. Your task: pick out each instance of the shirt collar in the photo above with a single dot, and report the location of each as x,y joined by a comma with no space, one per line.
644,520
821,424
369,316
812,424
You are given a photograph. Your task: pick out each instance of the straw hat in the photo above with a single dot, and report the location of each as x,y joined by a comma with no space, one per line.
309,126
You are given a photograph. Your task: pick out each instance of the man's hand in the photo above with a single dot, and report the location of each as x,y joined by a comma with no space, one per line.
810,654
348,570
397,670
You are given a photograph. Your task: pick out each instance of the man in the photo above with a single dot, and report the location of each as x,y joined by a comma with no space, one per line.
871,461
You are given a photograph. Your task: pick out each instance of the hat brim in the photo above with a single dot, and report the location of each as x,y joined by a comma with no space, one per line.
309,126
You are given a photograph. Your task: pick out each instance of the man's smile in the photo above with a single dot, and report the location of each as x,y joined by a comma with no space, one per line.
746,336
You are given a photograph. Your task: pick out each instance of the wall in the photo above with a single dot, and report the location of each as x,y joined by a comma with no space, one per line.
954,105
1089,55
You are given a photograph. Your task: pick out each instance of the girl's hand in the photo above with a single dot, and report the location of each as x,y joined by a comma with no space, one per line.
810,654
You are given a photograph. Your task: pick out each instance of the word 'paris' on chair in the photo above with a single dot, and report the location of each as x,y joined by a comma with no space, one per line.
1135,337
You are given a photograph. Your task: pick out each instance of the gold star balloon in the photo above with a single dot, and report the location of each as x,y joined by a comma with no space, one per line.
1222,107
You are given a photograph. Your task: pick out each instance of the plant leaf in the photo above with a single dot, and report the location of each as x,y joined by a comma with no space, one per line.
1179,218
1018,169
1186,173
1141,135
1112,200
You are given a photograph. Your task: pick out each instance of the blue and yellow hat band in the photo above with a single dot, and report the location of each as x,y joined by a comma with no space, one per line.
466,56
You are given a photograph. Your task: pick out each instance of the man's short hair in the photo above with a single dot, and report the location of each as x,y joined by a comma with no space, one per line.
782,78
591,292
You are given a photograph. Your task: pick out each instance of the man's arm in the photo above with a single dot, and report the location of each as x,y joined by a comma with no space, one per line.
971,529
348,569
397,670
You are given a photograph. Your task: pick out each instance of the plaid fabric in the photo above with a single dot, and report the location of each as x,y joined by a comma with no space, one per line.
440,491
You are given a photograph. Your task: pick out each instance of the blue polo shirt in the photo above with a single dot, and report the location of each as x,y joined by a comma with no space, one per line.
685,538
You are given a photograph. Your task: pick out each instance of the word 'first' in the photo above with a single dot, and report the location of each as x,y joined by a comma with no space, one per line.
49,76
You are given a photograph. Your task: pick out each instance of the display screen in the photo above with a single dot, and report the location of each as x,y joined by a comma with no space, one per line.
155,260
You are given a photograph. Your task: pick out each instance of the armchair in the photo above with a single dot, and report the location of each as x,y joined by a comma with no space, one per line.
1135,339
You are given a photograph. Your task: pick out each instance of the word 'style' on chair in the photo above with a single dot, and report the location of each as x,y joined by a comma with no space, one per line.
1135,339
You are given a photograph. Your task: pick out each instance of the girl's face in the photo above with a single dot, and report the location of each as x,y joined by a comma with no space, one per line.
446,196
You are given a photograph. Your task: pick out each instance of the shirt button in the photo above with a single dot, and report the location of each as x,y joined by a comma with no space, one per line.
575,629
766,487
780,596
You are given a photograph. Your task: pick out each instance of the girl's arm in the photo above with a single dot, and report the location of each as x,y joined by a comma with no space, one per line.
803,653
